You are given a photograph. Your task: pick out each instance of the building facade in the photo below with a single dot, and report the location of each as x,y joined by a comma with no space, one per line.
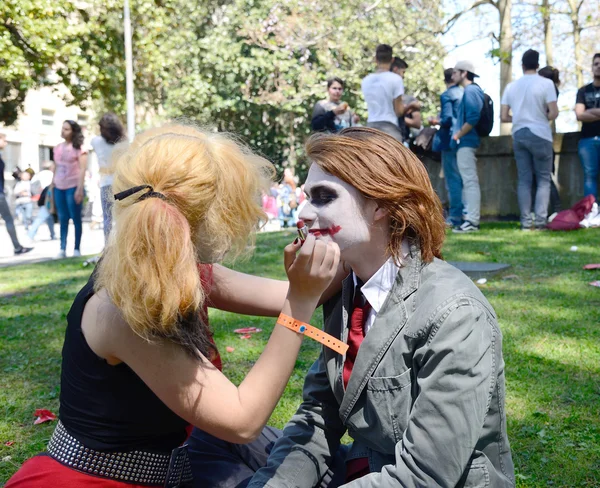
32,138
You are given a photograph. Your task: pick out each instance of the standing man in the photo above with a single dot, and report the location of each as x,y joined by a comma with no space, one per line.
465,140
383,92
532,100
588,113
411,118
450,102
4,208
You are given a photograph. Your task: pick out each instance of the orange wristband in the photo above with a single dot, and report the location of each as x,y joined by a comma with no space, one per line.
312,332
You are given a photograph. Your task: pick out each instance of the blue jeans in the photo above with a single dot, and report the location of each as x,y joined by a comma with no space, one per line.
220,464
67,209
107,199
454,186
589,155
533,155
42,216
24,211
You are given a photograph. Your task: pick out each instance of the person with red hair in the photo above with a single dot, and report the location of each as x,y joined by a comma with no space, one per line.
420,389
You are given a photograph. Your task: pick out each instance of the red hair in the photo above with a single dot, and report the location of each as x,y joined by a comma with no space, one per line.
383,170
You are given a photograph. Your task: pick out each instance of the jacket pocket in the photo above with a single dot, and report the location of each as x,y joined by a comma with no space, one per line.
389,383
387,407
478,477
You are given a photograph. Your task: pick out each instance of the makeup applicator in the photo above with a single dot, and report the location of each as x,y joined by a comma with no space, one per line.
302,231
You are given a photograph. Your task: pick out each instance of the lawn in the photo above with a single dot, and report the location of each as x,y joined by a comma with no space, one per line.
549,315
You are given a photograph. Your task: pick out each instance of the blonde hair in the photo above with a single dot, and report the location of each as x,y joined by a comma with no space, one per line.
212,186
383,170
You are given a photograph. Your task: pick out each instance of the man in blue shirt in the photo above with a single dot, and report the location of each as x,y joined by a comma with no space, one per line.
465,140
5,210
450,101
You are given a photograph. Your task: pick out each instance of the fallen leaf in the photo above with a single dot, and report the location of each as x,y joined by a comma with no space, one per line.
230,349
483,253
9,443
247,330
511,277
246,336
43,415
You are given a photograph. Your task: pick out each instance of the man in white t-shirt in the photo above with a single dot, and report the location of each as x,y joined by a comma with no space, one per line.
532,100
383,92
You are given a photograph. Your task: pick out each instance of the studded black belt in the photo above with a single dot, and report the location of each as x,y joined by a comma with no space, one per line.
147,468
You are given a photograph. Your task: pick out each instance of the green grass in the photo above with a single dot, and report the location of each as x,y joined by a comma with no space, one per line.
549,315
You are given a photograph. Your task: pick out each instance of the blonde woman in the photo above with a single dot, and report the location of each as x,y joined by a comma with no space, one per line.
137,367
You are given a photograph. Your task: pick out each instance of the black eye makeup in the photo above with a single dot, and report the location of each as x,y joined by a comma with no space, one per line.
322,195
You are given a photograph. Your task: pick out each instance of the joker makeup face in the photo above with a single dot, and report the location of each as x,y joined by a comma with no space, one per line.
337,211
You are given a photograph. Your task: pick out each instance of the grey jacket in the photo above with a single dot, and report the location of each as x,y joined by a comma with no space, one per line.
425,401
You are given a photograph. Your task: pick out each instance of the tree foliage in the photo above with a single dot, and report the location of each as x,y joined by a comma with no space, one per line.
253,67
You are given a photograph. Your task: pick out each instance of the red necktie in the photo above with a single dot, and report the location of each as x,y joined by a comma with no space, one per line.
360,312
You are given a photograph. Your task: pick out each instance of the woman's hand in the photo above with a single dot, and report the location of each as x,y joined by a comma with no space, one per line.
311,271
78,195
340,109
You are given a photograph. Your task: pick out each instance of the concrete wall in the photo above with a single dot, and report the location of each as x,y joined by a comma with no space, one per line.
498,174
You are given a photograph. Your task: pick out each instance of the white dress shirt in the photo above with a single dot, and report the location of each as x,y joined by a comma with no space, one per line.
379,286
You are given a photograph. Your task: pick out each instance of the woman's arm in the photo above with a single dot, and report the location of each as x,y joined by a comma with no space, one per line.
82,170
197,391
245,294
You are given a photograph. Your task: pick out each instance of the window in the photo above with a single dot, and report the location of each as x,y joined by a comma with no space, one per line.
46,153
82,120
47,117
12,156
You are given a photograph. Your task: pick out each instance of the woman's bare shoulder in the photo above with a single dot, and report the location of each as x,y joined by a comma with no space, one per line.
102,325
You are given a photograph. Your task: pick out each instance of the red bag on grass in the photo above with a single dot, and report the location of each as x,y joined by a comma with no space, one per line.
569,219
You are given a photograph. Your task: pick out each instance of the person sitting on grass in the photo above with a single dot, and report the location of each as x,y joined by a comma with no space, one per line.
421,388
139,365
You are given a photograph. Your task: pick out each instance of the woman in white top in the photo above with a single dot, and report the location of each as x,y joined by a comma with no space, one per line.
111,132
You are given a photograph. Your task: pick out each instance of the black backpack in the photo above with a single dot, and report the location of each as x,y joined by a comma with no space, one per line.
486,119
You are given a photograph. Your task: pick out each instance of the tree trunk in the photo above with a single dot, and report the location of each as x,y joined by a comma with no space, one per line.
574,8
506,47
577,46
547,32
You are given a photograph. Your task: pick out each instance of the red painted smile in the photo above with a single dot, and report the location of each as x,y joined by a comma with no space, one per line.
325,232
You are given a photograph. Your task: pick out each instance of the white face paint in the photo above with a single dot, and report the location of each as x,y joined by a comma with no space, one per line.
336,211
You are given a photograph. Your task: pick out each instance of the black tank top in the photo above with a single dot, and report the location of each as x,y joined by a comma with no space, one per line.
106,407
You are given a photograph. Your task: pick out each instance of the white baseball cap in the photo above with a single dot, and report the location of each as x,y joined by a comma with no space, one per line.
466,66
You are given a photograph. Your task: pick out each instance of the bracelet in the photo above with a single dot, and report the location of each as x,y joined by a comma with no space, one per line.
312,332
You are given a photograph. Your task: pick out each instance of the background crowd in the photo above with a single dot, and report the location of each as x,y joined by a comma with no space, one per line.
65,188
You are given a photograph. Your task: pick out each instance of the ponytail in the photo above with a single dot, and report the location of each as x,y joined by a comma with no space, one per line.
210,186
150,273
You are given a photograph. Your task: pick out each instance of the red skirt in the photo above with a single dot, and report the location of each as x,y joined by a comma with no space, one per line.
42,471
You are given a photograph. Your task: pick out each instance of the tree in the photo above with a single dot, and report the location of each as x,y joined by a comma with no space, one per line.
504,38
546,11
253,67
257,68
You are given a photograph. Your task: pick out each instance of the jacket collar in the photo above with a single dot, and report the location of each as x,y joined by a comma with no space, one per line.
388,324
